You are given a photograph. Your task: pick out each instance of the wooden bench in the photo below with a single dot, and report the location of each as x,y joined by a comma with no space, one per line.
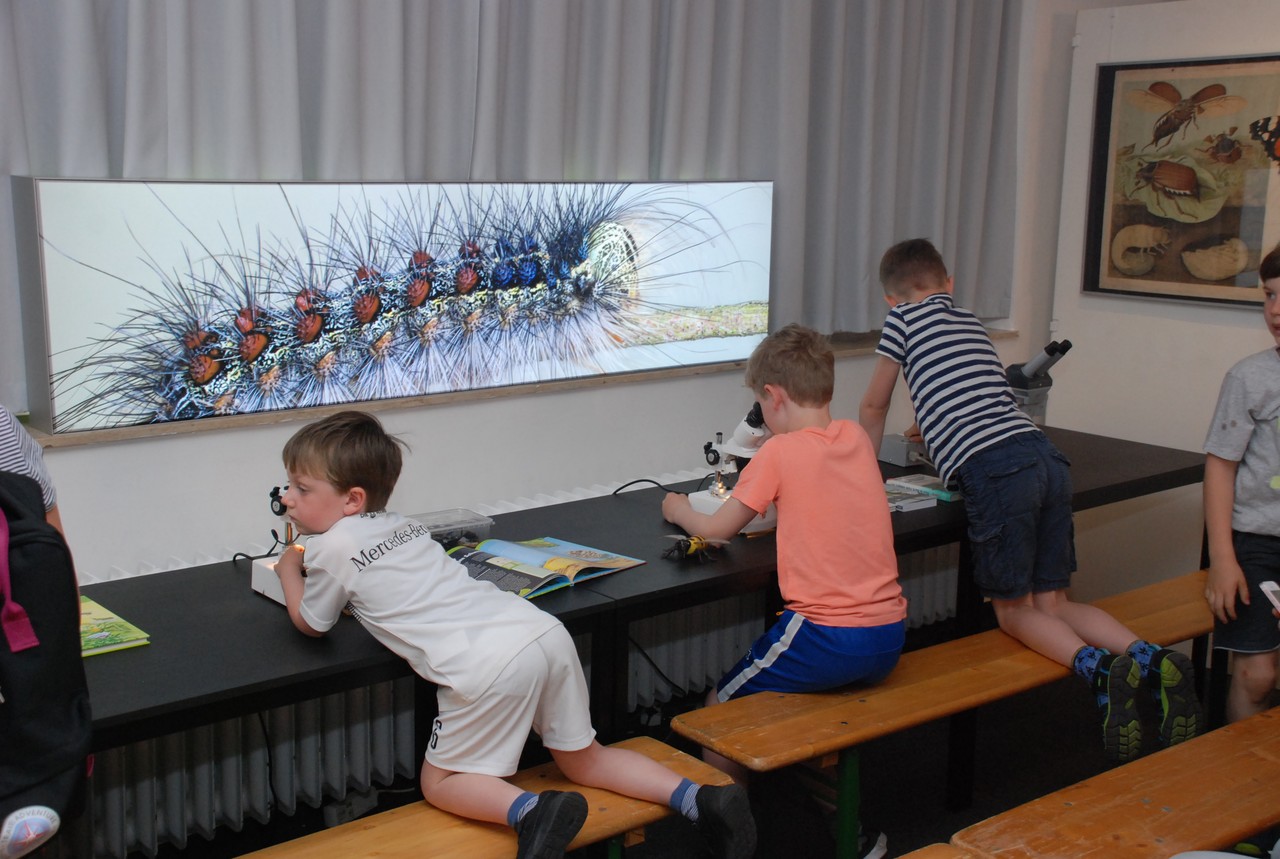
770,730
419,829
1205,794
938,851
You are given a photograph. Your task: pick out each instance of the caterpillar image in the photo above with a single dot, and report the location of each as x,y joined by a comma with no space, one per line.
207,299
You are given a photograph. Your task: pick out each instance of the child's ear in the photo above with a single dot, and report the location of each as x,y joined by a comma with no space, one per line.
951,284
355,501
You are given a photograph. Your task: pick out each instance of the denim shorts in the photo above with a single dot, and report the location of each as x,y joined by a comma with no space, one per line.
1017,495
1255,629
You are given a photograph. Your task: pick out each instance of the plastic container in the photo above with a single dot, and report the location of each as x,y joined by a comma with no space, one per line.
454,526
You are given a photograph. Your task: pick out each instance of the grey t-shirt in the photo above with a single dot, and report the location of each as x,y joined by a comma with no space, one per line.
1246,429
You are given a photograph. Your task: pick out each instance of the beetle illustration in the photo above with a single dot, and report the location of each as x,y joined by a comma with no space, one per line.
1178,112
1223,147
1169,179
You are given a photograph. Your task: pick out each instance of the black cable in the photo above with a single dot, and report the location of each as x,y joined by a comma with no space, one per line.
276,544
673,684
643,480
271,766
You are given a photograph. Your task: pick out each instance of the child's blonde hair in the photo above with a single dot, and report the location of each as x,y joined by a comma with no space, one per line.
797,359
348,449
912,265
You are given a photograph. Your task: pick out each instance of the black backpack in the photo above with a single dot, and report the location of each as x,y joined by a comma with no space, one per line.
45,724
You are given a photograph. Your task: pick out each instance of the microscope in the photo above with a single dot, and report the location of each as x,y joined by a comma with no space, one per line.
728,457
263,578
1031,381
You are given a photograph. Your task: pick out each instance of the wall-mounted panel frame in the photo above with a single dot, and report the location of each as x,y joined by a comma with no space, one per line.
154,302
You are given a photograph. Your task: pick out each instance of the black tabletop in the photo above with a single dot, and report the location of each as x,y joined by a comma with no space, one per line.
1106,470
219,650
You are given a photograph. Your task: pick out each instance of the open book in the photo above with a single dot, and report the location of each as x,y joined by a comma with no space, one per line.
901,500
925,484
531,568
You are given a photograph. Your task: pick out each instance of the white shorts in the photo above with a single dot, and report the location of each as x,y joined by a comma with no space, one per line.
542,689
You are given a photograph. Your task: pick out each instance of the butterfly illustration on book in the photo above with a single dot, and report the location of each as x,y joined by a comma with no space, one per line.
1267,132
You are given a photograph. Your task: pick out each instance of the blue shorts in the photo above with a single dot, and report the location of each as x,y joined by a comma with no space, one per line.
1255,628
798,655
1017,495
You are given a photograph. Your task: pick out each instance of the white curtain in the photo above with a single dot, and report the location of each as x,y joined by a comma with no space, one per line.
877,120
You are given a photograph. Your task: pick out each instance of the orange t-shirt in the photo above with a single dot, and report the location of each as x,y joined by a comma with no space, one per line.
836,564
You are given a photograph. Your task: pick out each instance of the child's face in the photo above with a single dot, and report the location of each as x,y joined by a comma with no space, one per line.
1271,306
315,504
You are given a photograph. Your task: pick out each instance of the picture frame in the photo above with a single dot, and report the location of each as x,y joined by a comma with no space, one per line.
1184,187
155,302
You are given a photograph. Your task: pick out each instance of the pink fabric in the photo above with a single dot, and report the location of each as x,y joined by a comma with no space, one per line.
13,618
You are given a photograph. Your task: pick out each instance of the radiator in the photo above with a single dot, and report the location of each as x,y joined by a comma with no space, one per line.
163,791
928,580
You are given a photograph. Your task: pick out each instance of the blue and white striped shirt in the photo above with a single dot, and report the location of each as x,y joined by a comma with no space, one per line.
963,403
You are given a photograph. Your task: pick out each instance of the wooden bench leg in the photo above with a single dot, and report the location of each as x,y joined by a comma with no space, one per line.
1200,662
1218,688
962,737
848,805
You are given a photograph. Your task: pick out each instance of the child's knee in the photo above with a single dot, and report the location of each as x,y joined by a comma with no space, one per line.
1256,672
580,765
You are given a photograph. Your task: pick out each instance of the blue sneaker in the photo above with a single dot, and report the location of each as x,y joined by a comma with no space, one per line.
1172,678
1116,682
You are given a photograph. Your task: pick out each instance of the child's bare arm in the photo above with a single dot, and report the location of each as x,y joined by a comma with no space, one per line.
289,571
876,400
731,518
1226,579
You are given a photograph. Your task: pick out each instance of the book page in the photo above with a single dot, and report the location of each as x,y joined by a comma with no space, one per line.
508,575
559,556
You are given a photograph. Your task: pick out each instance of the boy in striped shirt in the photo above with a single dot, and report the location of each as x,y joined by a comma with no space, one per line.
1017,493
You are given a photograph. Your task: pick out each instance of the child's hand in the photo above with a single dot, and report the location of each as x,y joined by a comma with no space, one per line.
912,433
1226,583
674,506
289,564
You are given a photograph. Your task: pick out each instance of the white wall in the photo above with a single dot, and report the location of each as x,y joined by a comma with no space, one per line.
1145,369
161,503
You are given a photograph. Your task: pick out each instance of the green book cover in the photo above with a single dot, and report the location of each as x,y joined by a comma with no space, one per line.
102,631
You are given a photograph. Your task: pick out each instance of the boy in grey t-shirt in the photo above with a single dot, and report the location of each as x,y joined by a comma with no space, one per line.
1242,511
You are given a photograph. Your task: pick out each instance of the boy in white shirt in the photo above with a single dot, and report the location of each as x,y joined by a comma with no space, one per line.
501,665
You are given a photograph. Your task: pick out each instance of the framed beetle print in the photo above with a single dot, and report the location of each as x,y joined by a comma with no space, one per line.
1184,191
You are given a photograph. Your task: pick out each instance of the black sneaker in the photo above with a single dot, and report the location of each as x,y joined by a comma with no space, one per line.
1264,845
872,844
724,817
1172,679
546,831
1116,684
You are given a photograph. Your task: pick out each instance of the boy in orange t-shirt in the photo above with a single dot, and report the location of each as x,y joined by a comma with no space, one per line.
845,614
